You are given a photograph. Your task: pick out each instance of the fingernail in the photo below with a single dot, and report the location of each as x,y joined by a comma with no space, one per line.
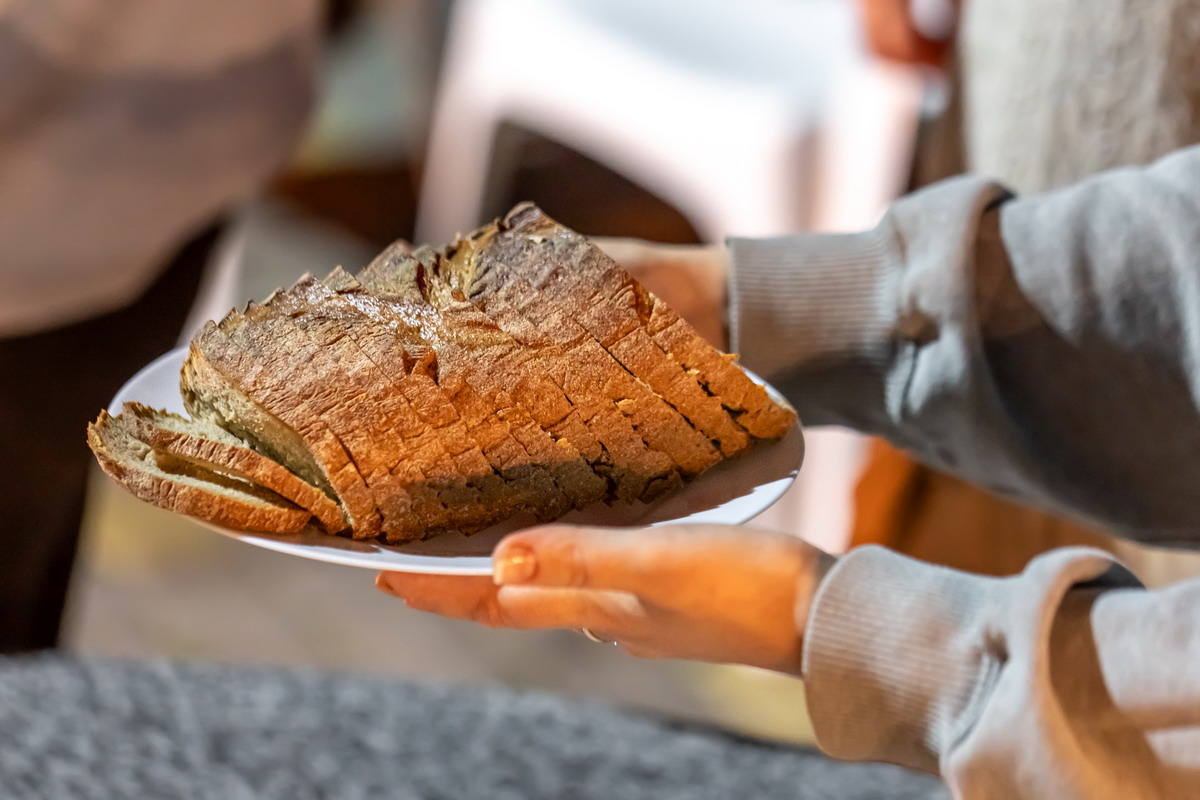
516,565
381,583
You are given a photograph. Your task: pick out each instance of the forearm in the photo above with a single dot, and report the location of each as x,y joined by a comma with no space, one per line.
1068,681
1042,347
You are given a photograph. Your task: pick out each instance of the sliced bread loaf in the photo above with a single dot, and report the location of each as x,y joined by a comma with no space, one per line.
519,370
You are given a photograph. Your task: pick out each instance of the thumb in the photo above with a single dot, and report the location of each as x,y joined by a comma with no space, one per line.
611,559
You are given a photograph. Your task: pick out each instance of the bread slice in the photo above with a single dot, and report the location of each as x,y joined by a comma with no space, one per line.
216,450
558,265
186,488
224,384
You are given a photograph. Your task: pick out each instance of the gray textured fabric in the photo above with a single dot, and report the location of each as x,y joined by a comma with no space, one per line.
1044,347
82,729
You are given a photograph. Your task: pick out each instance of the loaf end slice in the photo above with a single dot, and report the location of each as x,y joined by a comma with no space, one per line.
182,487
215,449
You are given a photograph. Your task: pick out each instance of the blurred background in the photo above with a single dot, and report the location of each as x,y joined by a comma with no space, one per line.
670,120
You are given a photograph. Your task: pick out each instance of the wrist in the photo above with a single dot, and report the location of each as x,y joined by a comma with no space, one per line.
808,581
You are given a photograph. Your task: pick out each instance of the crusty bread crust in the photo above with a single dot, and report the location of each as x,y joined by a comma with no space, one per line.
209,449
531,273
452,459
549,324
319,368
220,505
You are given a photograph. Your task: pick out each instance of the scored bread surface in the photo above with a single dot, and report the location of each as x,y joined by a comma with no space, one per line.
471,484
470,349
560,397
445,497
413,364
548,326
544,264
518,371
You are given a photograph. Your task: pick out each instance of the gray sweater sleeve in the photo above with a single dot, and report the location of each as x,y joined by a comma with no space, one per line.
1047,348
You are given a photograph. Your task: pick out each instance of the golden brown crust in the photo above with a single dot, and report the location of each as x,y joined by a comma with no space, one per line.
402,465
295,373
541,382
550,325
420,446
479,439
428,406
207,448
720,375
635,428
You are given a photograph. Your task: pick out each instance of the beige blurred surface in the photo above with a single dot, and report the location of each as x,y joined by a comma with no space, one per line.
151,584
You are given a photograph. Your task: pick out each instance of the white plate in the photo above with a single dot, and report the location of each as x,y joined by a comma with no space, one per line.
730,493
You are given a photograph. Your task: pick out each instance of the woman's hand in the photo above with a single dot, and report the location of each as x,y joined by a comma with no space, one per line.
690,278
701,592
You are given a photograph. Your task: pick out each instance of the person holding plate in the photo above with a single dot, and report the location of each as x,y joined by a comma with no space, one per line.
1043,347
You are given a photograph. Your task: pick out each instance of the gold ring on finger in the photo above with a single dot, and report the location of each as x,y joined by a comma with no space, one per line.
593,637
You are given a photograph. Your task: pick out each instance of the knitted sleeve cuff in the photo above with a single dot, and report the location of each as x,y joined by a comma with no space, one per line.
813,315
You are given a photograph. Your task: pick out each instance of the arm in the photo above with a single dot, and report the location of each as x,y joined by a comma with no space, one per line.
1068,681
1042,347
